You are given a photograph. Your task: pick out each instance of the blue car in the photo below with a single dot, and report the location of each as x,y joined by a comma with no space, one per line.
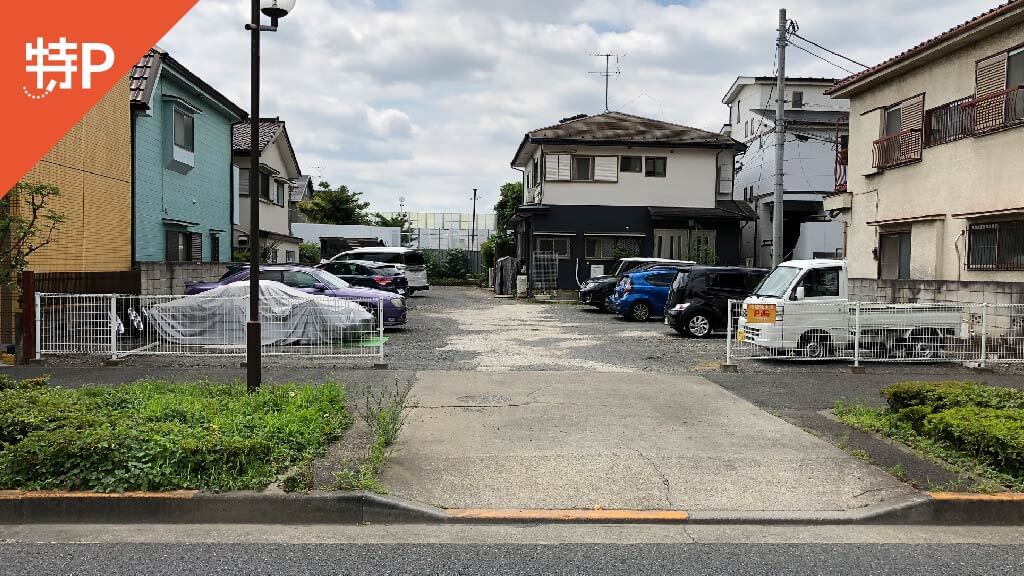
642,295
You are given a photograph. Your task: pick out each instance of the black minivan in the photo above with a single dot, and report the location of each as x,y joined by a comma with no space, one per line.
698,303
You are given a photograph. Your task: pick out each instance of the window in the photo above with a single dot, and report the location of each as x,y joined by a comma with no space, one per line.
265,186
605,248
279,193
631,164
535,170
894,256
893,121
289,255
821,283
661,279
732,281
655,166
1015,79
746,128
996,246
183,246
560,245
798,99
184,130
214,247
583,168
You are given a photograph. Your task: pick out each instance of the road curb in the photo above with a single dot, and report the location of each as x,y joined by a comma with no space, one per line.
210,508
192,507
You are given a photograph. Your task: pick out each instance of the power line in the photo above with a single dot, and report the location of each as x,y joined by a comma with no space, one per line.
813,43
820,57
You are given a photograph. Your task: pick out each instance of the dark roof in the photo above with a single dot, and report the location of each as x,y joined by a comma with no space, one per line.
619,129
971,24
723,210
144,74
302,188
269,129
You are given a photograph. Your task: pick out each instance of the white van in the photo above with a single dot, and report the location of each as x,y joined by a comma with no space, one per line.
803,306
409,261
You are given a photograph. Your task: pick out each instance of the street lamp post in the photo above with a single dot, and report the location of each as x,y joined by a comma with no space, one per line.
275,9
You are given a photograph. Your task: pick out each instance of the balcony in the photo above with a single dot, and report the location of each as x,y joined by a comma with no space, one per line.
897,149
970,117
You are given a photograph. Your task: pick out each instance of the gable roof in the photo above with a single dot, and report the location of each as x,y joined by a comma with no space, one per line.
620,129
1006,14
146,72
742,81
270,129
302,188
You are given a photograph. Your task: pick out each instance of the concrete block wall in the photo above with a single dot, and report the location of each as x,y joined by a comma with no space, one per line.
167,278
1000,294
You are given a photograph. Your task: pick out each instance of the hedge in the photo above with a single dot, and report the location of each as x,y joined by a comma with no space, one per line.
988,432
939,396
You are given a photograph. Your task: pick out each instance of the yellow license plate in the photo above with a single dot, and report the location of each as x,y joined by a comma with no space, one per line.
761,313
741,336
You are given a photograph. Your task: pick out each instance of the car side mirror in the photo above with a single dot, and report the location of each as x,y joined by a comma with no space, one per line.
319,287
800,293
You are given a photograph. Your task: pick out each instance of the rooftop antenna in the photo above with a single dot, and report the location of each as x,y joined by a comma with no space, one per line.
608,73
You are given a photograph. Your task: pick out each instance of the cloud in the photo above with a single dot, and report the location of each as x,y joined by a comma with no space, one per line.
429,98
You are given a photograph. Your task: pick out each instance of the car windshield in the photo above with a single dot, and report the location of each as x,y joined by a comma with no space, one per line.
775,284
332,281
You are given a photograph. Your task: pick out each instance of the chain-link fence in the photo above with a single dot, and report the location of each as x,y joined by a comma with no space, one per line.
121,325
875,332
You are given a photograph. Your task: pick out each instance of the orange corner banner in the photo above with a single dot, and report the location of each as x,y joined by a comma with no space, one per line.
58,58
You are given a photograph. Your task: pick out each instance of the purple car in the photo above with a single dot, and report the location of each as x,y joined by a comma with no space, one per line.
314,281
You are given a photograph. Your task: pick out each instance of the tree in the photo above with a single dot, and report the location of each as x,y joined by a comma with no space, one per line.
336,206
409,234
510,196
268,252
699,248
27,223
309,253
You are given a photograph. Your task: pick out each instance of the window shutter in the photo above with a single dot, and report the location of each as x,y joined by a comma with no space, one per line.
564,167
557,167
243,181
911,118
195,252
606,168
990,77
172,252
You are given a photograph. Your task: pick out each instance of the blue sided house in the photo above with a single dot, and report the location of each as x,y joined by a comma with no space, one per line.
184,181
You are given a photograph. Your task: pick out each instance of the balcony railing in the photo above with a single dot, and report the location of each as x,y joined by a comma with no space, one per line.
897,149
842,162
969,116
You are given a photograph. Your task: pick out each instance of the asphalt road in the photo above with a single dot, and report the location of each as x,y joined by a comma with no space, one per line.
655,559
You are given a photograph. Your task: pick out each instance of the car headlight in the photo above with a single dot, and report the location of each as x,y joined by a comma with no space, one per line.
681,307
398,302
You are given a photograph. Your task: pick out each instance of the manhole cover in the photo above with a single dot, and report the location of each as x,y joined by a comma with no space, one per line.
484,399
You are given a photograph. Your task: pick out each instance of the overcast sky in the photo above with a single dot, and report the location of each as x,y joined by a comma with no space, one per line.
429,99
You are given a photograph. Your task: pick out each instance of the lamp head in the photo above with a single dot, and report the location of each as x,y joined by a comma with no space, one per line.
276,8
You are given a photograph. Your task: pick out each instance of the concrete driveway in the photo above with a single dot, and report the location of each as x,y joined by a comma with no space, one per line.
576,440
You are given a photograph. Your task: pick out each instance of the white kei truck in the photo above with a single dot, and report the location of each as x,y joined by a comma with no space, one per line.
802,309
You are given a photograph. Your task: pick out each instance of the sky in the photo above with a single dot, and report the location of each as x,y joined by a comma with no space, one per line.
428,99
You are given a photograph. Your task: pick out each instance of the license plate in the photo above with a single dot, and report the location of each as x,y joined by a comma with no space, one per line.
761,313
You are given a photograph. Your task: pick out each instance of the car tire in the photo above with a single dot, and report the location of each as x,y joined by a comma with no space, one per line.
815,346
697,325
640,312
410,291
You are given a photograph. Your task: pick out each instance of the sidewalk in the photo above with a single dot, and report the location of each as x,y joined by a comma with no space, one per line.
572,440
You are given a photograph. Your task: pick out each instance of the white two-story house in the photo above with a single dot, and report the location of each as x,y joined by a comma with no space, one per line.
278,168
612,185
816,125
935,194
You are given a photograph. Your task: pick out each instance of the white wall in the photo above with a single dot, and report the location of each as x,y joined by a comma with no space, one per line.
690,179
311,233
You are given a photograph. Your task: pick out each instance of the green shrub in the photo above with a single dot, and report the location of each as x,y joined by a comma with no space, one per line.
153,435
939,396
309,253
987,432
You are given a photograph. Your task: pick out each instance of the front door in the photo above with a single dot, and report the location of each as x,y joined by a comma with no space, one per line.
671,243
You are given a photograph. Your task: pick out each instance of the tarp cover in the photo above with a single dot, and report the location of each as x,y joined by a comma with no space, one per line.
218,317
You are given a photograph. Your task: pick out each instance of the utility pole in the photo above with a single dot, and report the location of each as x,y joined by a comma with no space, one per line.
472,230
607,73
780,145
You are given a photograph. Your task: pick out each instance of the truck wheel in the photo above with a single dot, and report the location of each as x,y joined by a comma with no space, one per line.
698,325
924,344
641,312
815,346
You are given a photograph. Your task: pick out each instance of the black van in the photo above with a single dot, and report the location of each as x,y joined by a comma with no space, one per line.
698,303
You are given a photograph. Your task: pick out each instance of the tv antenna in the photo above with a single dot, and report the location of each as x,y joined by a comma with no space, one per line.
608,73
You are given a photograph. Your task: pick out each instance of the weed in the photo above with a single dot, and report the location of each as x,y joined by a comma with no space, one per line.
384,413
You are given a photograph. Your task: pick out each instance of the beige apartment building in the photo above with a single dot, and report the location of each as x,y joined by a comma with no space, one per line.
934,193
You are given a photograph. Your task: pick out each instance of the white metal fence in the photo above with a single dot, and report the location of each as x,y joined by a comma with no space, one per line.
874,332
121,325
544,272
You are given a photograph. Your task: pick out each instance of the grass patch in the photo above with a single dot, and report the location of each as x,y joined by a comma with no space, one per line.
155,435
384,414
967,426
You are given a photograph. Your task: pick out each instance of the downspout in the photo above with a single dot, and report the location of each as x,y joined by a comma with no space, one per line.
131,140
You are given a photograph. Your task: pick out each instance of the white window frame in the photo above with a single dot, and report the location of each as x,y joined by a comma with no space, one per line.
573,173
554,240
